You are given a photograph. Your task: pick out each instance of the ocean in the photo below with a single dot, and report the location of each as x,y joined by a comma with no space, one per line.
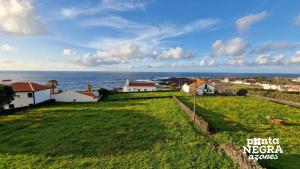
78,80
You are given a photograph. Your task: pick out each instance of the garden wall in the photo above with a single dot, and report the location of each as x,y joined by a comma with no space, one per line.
199,121
280,101
230,149
237,155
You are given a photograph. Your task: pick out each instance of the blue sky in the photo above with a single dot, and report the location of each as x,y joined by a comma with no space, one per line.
139,35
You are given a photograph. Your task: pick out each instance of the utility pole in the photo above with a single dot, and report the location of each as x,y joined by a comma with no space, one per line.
195,88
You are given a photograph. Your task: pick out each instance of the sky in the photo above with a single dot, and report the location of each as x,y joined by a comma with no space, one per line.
257,36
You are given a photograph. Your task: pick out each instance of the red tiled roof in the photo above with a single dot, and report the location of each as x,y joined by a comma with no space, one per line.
198,83
93,95
137,84
28,87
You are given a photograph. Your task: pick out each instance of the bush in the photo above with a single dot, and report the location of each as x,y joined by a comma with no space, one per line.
242,92
104,92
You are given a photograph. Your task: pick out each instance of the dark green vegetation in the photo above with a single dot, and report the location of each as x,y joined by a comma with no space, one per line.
142,95
295,97
152,133
240,118
6,95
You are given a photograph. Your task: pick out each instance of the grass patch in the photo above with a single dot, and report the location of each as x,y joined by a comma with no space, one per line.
151,133
240,118
141,95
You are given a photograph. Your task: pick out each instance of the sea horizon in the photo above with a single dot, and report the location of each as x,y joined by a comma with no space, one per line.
71,80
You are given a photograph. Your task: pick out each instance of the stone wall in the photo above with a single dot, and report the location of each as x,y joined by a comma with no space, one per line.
238,157
199,121
232,150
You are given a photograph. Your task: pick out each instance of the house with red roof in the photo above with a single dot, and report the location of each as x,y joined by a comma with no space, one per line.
76,96
202,87
28,93
139,86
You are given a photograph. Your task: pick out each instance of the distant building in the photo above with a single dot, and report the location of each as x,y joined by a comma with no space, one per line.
271,87
76,96
293,88
296,79
28,93
139,86
202,87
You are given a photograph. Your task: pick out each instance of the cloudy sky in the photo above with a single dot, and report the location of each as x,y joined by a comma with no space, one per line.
150,35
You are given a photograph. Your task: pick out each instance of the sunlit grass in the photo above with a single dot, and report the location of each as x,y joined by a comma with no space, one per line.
239,118
142,95
151,133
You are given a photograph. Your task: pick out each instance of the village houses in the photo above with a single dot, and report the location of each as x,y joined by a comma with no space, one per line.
202,87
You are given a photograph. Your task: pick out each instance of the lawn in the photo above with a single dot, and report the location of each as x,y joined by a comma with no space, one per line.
151,133
141,95
240,118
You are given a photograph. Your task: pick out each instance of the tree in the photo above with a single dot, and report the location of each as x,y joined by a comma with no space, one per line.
6,95
173,86
104,92
53,85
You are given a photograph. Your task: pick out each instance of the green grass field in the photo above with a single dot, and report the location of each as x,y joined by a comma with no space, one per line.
141,95
152,133
238,118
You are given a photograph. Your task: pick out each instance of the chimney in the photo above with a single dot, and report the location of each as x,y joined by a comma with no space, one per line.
89,88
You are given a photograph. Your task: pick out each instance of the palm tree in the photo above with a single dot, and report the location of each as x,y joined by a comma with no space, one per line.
53,85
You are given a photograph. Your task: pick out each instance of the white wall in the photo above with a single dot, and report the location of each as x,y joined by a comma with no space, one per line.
73,96
21,100
136,89
41,96
185,88
201,89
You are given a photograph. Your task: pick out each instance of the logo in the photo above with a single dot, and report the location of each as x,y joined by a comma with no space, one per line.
262,148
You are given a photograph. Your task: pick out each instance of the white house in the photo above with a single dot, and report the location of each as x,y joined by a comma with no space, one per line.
272,87
203,87
28,93
76,96
139,86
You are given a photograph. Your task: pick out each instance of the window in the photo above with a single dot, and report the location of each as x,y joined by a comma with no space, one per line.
11,106
145,90
139,90
128,89
29,95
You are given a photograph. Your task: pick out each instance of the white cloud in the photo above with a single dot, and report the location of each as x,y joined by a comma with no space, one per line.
273,46
176,53
297,20
122,54
18,17
148,37
237,61
246,22
296,59
69,52
204,62
7,48
270,60
103,6
233,47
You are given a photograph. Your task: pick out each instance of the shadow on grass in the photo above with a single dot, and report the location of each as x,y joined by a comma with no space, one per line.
89,131
217,121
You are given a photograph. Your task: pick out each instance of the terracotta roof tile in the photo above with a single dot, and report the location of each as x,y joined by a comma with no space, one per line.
198,82
93,95
28,87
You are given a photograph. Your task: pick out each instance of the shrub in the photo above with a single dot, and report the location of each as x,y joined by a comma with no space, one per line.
242,92
104,92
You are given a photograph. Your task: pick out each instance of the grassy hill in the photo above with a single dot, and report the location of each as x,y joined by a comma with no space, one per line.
151,133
